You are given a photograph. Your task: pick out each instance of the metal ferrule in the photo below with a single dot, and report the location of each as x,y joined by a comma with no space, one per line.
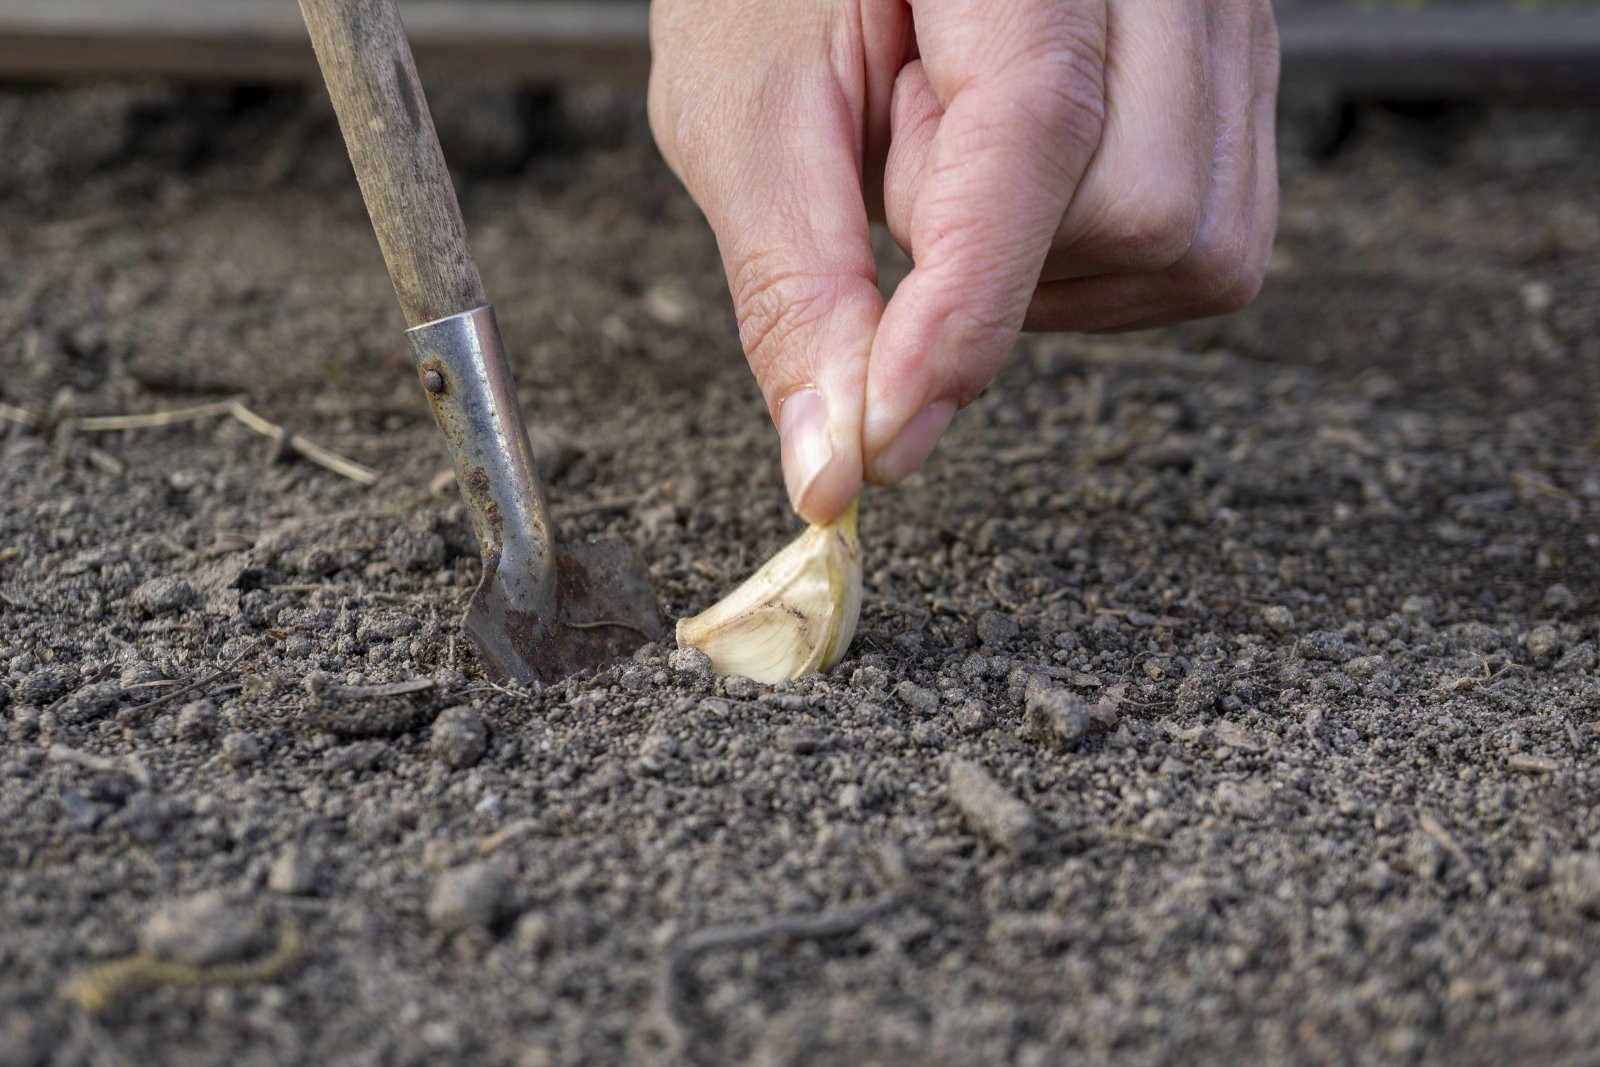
462,365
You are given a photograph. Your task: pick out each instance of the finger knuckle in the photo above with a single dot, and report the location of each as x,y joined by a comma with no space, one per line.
1237,292
1073,109
988,325
774,306
986,329
1222,275
1065,72
1155,229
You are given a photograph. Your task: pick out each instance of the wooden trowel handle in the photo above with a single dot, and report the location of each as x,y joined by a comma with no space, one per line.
366,61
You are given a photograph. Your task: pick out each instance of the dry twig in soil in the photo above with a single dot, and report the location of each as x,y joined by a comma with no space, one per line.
20,416
737,936
102,987
236,410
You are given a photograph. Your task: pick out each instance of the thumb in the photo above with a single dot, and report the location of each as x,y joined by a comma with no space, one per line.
791,225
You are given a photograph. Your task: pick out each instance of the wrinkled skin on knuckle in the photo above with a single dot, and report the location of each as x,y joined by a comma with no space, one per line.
987,329
774,308
1053,75
971,264
1153,228
1222,274
1068,93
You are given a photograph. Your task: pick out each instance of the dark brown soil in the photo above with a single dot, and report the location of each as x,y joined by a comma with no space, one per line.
1333,563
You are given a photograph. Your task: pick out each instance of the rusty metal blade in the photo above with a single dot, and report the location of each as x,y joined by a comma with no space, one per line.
542,609
605,609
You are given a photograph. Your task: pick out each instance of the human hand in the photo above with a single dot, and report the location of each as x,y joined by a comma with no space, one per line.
1049,164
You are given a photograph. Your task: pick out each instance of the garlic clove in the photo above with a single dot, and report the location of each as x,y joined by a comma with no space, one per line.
796,615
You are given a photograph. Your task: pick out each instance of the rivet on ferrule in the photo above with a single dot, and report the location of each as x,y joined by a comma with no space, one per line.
433,381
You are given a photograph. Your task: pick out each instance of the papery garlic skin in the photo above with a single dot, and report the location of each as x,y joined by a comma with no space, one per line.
794,616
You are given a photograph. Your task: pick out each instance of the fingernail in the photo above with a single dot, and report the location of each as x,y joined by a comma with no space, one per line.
907,451
806,450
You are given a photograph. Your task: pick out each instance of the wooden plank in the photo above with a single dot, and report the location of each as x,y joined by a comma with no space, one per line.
1443,54
265,41
1415,53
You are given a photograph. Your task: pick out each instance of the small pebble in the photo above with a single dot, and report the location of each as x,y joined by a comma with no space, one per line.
197,720
1542,642
1197,693
918,698
1053,713
1230,733
1325,645
739,687
459,738
996,630
294,872
1416,608
670,304
801,740
81,812
202,929
1530,866
1278,617
45,684
972,716
241,749
1247,801
1575,879
139,672
534,933
159,596
93,701
990,810
1380,877
1558,598
379,626
473,895
690,663
656,753
1581,658
635,679
874,678
1364,666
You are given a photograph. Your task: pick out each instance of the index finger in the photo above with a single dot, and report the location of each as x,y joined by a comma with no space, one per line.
1021,88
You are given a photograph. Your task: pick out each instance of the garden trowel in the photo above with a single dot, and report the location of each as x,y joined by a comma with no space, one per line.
542,609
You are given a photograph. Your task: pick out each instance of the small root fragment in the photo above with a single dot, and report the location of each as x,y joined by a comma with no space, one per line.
990,809
108,983
234,409
153,419
673,1010
20,416
322,457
